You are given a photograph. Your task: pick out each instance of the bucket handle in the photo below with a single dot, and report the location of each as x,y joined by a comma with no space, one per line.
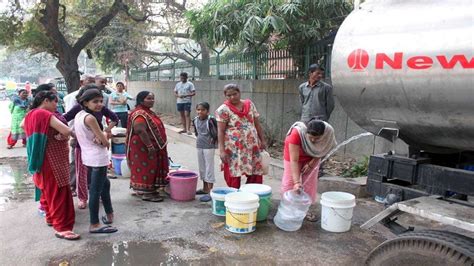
231,214
344,218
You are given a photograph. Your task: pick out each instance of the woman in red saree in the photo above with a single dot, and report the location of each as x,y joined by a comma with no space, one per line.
47,149
147,155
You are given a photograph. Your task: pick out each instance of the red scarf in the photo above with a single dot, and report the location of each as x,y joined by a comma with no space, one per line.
241,113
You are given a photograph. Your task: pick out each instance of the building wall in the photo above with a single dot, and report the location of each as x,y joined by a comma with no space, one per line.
277,102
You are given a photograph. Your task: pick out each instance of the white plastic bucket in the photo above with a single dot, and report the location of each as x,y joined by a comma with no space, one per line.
218,199
336,211
241,212
124,168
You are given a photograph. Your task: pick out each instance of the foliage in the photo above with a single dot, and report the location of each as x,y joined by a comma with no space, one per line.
262,24
63,28
118,44
17,65
360,168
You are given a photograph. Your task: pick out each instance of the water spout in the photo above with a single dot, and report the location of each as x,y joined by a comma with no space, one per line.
345,142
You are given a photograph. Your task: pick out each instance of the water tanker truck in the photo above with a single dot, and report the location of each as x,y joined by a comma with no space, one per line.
404,70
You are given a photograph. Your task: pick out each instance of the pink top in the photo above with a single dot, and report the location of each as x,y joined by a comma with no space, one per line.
92,154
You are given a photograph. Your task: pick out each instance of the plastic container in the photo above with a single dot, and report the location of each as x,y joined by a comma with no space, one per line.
118,131
241,212
218,199
118,148
265,162
125,169
264,192
118,140
292,210
117,163
183,185
336,211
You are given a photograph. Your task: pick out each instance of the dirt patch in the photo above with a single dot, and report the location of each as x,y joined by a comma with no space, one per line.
334,166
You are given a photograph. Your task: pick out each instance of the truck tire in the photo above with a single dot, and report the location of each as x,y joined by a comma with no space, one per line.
428,247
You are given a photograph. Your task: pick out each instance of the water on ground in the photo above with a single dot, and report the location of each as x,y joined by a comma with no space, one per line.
15,182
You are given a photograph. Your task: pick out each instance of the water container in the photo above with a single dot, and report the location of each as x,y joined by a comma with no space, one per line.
125,169
336,211
183,185
117,162
241,212
218,199
292,210
264,192
118,148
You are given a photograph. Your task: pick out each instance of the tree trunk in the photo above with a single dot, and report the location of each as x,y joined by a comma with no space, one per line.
204,67
69,69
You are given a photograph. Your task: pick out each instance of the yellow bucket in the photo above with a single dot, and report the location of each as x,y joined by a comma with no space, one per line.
241,212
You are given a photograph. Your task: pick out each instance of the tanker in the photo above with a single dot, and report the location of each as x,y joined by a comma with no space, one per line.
405,69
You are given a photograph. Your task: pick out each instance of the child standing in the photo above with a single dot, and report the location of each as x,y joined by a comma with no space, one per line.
94,155
205,128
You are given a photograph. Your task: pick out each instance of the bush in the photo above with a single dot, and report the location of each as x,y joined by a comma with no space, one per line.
360,168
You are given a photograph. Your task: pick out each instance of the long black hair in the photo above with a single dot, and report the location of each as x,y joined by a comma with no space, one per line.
315,127
89,95
41,96
141,97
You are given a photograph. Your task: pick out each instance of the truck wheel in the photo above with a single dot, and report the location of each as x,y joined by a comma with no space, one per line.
426,247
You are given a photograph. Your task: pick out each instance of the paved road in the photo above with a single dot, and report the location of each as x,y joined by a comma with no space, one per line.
176,232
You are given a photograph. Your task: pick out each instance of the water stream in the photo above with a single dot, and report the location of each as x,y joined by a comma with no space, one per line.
345,142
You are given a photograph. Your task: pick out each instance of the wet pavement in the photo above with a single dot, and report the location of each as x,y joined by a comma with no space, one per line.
15,182
167,233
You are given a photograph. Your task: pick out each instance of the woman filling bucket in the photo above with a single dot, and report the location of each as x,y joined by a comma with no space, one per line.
305,145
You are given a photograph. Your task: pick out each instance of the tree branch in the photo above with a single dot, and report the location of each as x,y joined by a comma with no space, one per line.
103,22
167,34
172,54
49,20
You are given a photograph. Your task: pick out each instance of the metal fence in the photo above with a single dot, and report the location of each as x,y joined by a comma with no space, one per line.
231,65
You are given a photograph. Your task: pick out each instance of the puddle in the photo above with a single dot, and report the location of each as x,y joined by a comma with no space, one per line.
124,253
15,182
155,253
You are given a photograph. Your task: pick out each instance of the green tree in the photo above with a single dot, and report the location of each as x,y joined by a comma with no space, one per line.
63,28
267,24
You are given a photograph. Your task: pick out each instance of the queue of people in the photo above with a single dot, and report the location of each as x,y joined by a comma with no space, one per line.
235,130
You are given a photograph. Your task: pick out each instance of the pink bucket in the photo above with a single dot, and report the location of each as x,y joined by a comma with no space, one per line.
183,185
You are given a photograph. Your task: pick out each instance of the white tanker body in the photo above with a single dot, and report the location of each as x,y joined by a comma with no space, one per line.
409,65
406,67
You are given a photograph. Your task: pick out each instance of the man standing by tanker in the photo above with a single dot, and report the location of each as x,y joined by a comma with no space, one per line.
316,98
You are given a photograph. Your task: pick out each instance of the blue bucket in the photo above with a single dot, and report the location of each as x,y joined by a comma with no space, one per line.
116,162
118,148
218,199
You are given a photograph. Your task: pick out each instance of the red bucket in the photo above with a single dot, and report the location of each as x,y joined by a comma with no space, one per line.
183,185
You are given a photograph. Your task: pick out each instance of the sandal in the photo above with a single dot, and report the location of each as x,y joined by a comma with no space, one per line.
311,217
106,229
205,198
67,235
153,199
9,147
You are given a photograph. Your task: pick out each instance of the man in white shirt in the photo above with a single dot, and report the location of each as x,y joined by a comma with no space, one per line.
184,91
